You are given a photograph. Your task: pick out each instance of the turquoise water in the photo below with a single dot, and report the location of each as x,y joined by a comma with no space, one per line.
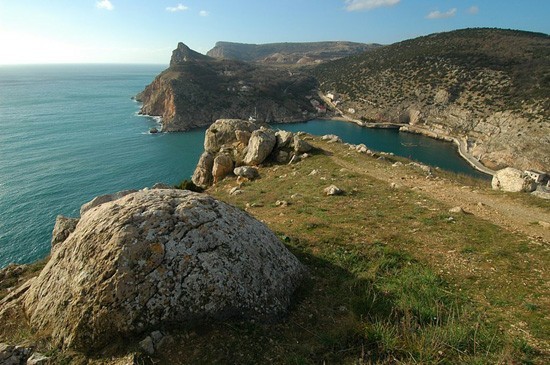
416,147
69,133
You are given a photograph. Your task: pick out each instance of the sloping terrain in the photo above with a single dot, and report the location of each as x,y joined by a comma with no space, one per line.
489,87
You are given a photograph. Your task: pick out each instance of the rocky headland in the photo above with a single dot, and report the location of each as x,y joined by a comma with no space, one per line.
197,90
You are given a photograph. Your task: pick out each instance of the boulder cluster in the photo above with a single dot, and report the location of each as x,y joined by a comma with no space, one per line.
231,144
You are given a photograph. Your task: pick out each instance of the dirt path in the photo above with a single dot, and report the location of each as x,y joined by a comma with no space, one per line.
499,209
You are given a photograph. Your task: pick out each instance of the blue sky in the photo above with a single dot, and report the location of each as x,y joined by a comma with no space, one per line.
146,31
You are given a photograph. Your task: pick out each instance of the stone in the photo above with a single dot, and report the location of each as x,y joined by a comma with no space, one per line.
158,258
331,138
512,180
333,190
282,156
38,359
457,210
203,172
242,136
222,132
397,164
98,200
301,146
544,224
62,229
13,355
235,191
541,194
281,203
147,345
442,96
260,146
361,148
284,138
249,172
223,166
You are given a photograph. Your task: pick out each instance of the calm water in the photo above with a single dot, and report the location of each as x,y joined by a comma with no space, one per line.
69,133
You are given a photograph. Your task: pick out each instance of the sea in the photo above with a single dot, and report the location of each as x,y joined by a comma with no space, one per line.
69,133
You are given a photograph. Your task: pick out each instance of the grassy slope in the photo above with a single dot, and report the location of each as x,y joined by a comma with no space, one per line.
395,277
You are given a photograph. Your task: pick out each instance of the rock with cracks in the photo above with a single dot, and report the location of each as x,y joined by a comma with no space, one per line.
155,258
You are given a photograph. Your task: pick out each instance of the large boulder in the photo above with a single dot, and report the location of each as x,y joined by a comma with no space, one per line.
260,146
512,180
227,131
223,166
154,258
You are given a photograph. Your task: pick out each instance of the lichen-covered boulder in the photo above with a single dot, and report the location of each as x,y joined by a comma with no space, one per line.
248,172
260,146
159,257
512,180
223,166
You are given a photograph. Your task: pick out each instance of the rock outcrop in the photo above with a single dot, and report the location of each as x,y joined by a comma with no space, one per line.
512,180
230,143
157,258
196,90
62,229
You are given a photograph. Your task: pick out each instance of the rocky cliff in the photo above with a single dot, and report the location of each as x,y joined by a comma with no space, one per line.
487,87
196,90
288,53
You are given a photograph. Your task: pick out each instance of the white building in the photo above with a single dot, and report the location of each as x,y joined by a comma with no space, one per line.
537,176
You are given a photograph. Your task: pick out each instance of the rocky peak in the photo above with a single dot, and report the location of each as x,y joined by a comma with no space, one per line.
185,54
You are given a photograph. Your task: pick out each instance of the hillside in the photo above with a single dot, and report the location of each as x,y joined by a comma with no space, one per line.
288,53
396,276
196,90
488,87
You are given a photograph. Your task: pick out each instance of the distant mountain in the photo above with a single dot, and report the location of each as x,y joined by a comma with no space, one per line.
288,53
196,90
487,87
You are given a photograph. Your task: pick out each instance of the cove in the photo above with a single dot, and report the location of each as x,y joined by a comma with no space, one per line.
413,146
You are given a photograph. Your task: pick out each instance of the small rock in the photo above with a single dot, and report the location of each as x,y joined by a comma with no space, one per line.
331,138
147,345
301,146
304,156
394,186
456,210
361,148
397,164
544,224
333,190
281,203
247,171
294,159
313,172
235,191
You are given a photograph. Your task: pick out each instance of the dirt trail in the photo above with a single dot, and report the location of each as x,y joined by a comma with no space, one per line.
501,210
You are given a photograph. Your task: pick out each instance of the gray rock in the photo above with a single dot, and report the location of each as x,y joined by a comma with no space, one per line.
512,180
98,200
333,190
331,138
62,229
223,132
223,166
260,146
284,138
247,171
147,345
203,172
282,156
457,210
154,258
361,148
301,146
235,191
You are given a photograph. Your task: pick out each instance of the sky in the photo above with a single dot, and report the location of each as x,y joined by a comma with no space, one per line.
146,31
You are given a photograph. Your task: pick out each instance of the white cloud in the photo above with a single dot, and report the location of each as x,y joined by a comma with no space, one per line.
439,15
104,4
473,10
204,13
355,5
179,7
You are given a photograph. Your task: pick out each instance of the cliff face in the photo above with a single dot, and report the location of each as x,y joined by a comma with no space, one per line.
487,87
196,90
288,53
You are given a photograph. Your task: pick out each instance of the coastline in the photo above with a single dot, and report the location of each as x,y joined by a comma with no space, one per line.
460,144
